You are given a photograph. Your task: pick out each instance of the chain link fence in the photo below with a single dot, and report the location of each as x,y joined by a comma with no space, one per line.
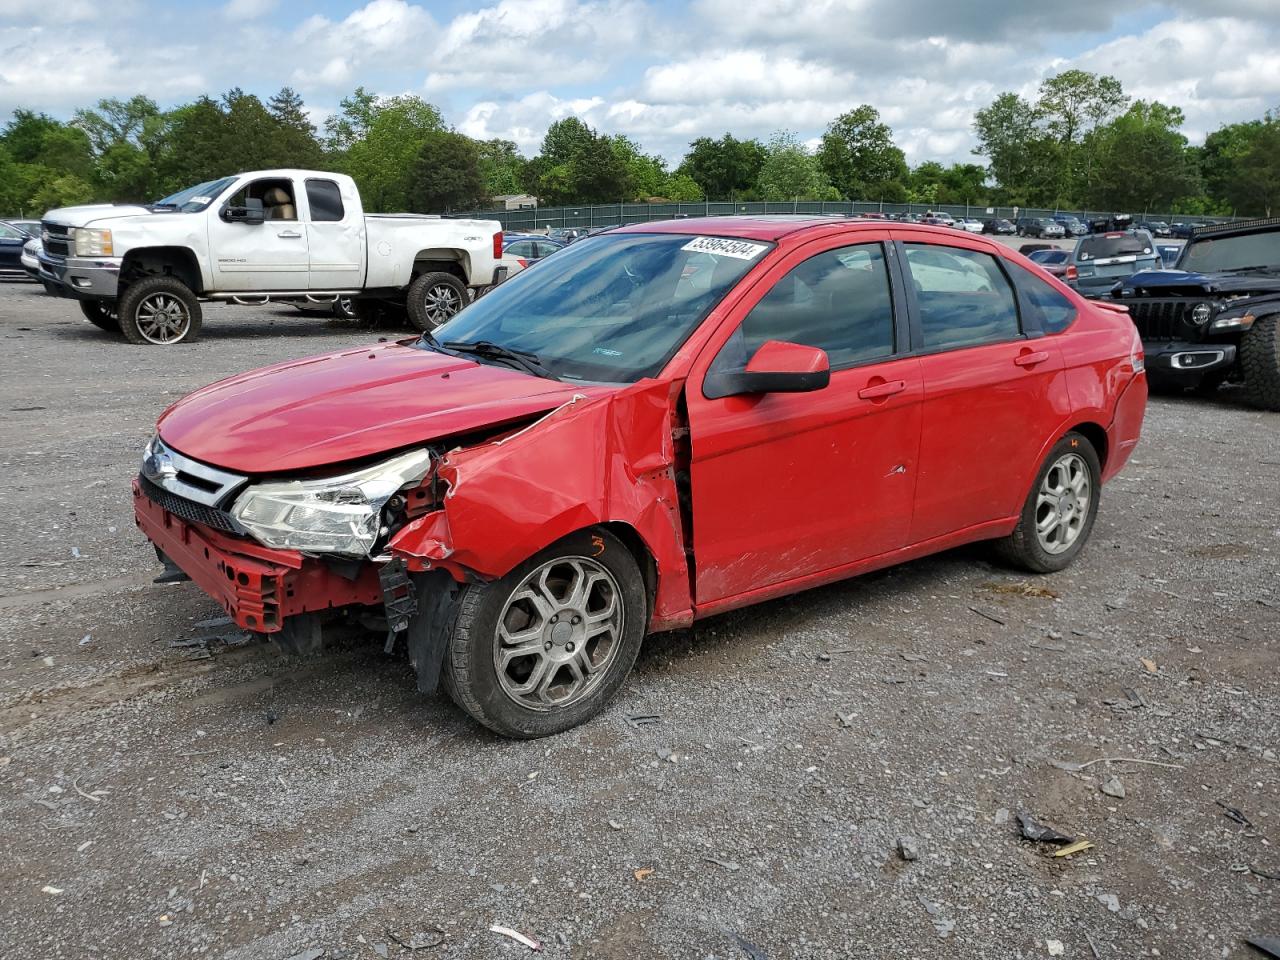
617,214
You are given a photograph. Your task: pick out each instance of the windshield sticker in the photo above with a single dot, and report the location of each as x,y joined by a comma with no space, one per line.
738,249
199,199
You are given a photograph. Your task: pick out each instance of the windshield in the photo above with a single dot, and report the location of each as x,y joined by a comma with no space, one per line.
195,199
611,308
1226,253
1102,248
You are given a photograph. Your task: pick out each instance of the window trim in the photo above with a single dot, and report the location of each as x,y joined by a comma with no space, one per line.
791,262
918,346
306,189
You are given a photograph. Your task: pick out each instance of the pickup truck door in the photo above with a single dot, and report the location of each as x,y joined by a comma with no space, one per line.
336,237
261,257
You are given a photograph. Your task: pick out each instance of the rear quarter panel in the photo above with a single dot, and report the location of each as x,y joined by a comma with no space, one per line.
396,241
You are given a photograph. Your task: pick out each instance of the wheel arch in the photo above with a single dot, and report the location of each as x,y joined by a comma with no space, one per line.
178,262
443,260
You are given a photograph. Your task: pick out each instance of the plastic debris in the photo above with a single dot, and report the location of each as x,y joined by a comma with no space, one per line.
908,849
419,941
516,936
1232,813
54,891
1055,947
643,874
1034,830
1112,787
1150,665
638,720
1269,945
1072,848
725,864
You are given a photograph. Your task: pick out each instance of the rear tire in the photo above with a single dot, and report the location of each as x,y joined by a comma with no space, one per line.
101,315
1059,512
570,667
159,311
434,298
1260,361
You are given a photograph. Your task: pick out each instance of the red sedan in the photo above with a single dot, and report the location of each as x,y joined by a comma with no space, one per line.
658,424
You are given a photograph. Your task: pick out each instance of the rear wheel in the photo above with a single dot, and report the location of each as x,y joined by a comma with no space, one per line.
1058,514
1260,361
101,314
159,311
546,647
434,298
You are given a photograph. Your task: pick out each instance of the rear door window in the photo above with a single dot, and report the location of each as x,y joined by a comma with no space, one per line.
1053,311
326,201
962,297
1107,247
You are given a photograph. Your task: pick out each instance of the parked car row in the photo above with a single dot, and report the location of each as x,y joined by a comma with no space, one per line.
14,237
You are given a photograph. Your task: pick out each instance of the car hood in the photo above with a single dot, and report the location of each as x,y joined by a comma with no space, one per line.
1171,281
97,212
350,405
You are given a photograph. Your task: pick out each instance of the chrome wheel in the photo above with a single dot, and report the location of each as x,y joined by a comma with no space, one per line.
1063,503
442,302
163,318
559,631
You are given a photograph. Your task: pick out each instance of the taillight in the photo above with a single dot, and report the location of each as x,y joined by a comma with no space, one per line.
497,245
1072,272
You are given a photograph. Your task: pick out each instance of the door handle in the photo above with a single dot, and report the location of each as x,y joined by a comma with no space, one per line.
1031,358
289,234
879,391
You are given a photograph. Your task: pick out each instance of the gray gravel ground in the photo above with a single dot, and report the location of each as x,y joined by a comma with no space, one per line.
224,800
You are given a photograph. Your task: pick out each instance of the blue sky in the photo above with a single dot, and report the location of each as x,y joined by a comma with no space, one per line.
661,71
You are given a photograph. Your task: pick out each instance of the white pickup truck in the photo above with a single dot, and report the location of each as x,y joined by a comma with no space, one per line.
290,235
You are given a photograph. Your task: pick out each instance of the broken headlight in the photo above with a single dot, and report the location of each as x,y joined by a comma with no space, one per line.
340,515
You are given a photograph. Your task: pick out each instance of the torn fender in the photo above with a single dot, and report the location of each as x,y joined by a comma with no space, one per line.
607,459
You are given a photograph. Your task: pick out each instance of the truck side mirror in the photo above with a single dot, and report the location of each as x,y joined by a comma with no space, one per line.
251,212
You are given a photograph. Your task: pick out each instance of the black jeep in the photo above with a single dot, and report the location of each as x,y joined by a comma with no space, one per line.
1215,314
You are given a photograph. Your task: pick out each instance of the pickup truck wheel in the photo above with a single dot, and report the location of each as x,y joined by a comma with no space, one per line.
434,298
1058,514
546,647
1260,361
101,315
344,308
159,311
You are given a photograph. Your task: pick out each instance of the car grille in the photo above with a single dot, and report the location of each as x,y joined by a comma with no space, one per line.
1161,319
188,509
58,241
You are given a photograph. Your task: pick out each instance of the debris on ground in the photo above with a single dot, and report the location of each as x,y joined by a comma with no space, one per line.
638,720
1110,901
1055,948
908,849
311,953
643,874
1073,848
1022,589
419,941
1112,787
725,864
1257,871
1032,829
987,616
941,924
54,891
516,936
1150,665
750,949
1233,813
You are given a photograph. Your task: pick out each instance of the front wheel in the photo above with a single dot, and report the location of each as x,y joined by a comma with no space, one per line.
101,314
159,311
434,298
1260,361
1058,514
546,647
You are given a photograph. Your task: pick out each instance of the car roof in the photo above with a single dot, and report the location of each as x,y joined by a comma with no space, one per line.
749,227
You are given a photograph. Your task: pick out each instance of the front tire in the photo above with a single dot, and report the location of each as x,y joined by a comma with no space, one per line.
159,311
1058,514
102,315
434,298
546,647
1260,361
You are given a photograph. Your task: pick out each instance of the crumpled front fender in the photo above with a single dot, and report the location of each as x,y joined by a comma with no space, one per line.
608,459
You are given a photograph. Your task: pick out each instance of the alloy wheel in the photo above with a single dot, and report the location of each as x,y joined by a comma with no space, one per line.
1063,503
163,318
558,633
442,302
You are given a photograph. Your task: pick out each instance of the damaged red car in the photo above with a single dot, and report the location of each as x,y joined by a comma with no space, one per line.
658,424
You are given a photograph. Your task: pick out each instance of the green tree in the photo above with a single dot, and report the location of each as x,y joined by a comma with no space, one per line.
501,167
1071,105
353,119
446,175
682,188
25,134
598,175
397,129
194,146
296,133
1253,187
1221,153
1006,130
858,154
1141,161
646,173
724,169
116,121
790,172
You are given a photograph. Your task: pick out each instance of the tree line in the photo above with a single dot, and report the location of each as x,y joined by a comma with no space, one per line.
1080,143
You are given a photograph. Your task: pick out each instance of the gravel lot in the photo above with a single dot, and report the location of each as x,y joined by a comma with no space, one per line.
161,796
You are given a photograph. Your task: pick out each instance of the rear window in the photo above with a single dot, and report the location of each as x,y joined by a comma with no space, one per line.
1102,248
1049,256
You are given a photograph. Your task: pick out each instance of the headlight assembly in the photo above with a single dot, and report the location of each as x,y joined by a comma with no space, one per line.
338,515
93,242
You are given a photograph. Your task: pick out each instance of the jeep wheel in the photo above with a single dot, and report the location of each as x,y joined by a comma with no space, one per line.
102,315
159,311
433,298
546,647
1260,361
1058,514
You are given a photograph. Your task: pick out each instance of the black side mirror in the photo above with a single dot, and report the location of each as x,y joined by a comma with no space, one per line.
777,367
251,212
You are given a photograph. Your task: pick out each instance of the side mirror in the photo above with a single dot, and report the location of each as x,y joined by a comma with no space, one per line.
251,212
777,367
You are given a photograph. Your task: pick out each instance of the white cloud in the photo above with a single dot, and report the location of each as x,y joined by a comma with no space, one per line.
248,9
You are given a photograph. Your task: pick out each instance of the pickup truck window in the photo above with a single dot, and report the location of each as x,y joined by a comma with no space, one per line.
1250,250
612,308
194,199
325,200
276,196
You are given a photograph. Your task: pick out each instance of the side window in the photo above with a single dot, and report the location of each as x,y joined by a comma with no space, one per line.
544,248
838,301
276,196
10,233
521,248
1054,311
962,296
326,201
